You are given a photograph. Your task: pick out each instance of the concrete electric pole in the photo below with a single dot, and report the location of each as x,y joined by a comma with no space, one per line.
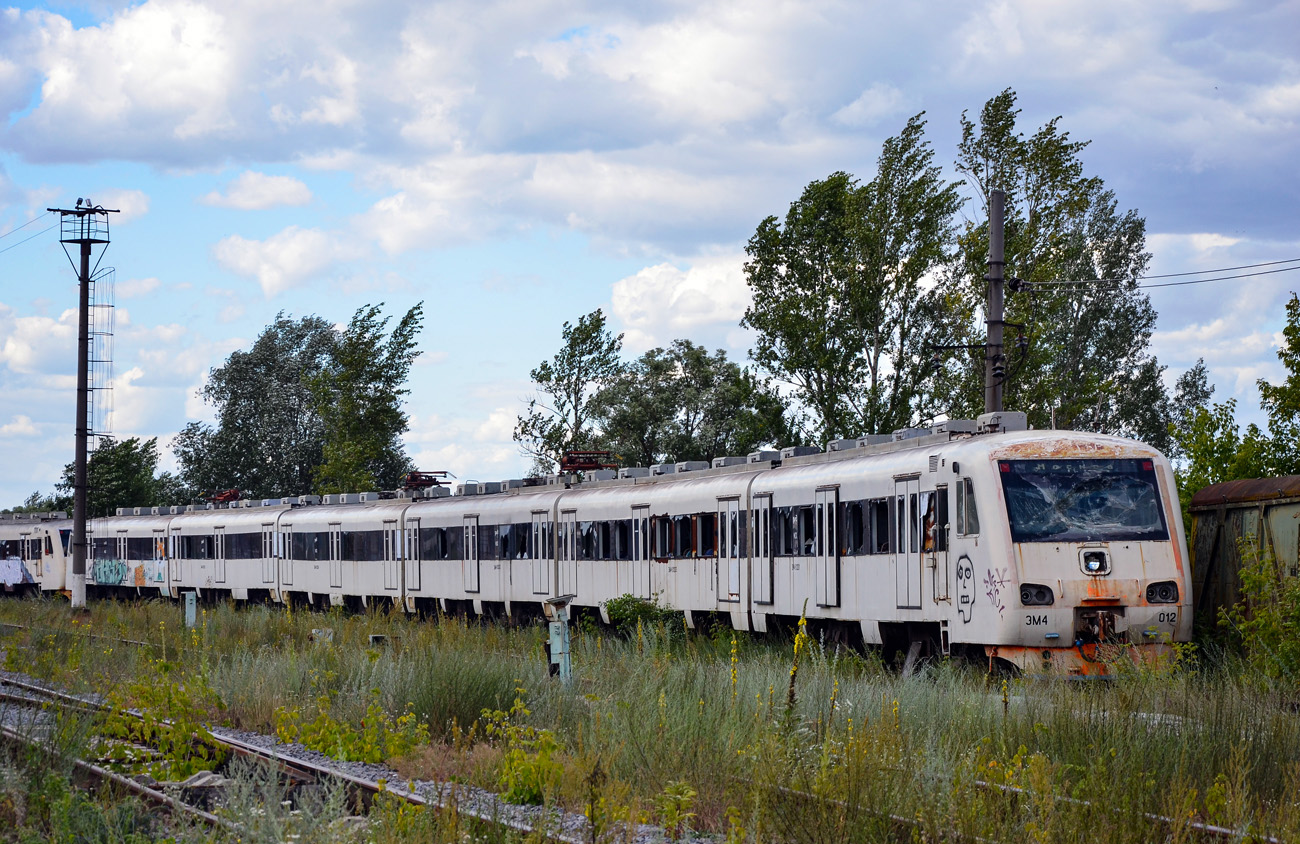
85,225
995,362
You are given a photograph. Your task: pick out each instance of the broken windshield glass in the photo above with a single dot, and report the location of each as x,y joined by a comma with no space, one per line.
1082,500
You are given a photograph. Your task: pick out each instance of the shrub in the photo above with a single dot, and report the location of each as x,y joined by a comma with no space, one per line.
626,610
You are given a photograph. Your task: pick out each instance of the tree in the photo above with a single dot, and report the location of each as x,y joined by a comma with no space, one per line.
358,396
1088,365
840,304
1278,451
683,403
39,502
123,473
637,409
560,419
268,436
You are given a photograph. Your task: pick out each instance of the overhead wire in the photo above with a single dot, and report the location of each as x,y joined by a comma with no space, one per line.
1295,262
24,240
19,228
1115,282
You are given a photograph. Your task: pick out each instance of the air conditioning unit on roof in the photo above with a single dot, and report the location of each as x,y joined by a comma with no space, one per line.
634,472
799,451
721,462
764,456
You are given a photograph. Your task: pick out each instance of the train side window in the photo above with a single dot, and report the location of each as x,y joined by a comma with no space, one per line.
430,543
606,551
706,531
682,545
926,510
49,545
662,534
913,523
807,531
852,532
968,520
941,519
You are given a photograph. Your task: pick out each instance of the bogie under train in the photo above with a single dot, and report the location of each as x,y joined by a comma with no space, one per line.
1051,550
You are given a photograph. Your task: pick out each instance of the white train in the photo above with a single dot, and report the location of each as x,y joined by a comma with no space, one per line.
1040,548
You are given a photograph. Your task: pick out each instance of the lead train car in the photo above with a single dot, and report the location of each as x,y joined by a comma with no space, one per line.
1040,548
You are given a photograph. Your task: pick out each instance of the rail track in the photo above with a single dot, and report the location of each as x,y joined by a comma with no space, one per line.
295,772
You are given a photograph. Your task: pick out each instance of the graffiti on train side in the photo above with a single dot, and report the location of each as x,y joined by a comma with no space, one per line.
13,571
994,580
108,572
965,588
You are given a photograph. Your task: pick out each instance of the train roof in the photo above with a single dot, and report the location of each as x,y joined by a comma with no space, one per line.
993,436
1246,491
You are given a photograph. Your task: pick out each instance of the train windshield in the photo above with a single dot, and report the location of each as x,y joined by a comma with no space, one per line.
1082,500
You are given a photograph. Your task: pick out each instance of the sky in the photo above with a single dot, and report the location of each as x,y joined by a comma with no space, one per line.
514,165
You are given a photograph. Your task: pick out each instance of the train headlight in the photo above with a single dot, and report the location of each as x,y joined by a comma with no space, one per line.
1035,595
1164,592
1095,563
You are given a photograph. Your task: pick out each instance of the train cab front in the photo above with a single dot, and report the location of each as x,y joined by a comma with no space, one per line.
1100,558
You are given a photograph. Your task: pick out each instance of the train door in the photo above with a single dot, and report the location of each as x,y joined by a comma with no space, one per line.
284,542
641,552
543,552
568,579
392,556
907,580
938,543
177,557
761,550
159,555
826,561
219,554
412,555
336,555
728,550
268,552
469,556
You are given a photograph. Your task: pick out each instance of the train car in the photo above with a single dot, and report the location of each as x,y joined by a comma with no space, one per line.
1261,513
128,552
348,549
31,550
1042,550
226,551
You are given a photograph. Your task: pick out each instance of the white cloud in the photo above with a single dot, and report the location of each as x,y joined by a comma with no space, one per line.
879,101
21,426
663,302
130,203
257,191
154,73
283,260
38,344
133,287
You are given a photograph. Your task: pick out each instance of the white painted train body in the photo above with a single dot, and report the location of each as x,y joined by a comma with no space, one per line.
31,550
1040,548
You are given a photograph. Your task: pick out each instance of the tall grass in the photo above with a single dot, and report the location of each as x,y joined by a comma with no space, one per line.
861,751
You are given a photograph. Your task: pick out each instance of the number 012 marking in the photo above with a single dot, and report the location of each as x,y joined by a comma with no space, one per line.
1168,617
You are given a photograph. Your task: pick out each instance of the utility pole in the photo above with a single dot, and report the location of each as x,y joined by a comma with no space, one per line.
994,360
82,225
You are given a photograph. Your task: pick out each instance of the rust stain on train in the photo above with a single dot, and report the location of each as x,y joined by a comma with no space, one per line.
1040,449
